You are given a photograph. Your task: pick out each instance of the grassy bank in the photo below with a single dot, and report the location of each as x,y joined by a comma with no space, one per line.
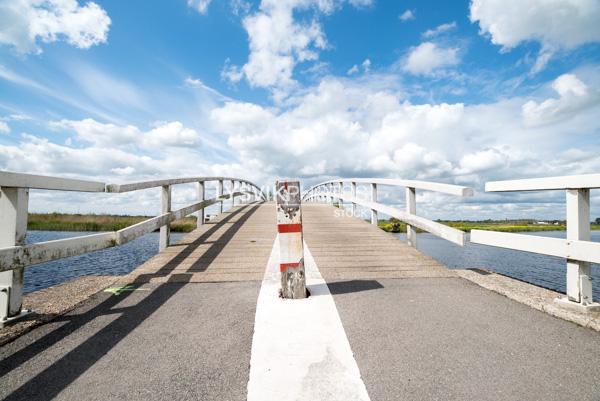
511,226
96,222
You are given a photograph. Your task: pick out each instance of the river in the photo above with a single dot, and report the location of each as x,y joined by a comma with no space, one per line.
545,271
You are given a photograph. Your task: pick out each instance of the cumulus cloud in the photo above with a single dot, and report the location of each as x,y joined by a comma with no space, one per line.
278,42
341,128
573,97
429,57
164,134
556,24
25,22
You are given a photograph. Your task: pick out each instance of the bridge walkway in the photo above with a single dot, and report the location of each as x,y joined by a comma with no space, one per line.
184,330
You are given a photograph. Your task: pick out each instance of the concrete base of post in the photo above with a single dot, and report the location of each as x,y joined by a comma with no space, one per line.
13,319
564,302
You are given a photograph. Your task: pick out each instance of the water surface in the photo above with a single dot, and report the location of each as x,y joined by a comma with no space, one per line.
117,260
545,271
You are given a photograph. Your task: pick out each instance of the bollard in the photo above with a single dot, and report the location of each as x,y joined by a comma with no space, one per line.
291,249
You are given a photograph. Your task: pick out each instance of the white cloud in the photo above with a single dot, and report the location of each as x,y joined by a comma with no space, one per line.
346,128
353,70
430,33
366,67
482,161
343,127
429,57
4,128
198,84
240,7
555,24
574,96
165,134
24,22
199,5
278,42
407,16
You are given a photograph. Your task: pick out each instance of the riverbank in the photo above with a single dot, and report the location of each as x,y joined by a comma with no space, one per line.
511,226
96,222
93,222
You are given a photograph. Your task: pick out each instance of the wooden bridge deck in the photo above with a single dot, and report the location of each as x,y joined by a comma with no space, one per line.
416,329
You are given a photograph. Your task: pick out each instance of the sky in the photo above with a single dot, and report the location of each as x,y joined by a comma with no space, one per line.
459,92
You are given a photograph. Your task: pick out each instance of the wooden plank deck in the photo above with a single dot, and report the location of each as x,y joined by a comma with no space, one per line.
232,247
349,248
235,245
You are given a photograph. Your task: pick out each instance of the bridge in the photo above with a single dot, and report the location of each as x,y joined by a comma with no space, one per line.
203,318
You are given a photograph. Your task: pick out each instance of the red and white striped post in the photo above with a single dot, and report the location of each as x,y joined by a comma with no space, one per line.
291,249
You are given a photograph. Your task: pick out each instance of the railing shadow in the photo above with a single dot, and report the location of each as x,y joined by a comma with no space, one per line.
345,287
56,377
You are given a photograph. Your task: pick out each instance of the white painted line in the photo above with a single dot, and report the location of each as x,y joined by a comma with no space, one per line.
300,350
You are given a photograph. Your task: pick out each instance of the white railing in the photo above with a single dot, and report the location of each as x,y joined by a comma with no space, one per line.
15,255
576,248
325,192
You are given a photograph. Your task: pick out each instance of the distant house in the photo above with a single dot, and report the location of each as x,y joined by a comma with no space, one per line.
542,223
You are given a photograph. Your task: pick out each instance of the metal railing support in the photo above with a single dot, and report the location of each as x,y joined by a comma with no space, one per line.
340,200
201,197
579,281
411,207
14,203
219,194
374,199
165,231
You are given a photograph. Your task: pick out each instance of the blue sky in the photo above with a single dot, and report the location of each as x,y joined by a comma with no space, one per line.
462,92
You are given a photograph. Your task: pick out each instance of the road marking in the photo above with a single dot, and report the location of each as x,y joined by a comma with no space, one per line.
300,350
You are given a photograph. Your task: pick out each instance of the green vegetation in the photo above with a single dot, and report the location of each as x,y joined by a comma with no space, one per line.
395,226
96,222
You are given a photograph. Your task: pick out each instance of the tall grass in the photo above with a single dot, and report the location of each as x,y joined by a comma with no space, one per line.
96,222
511,226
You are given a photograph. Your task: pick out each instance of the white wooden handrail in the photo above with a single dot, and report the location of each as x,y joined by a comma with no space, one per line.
577,248
15,255
324,191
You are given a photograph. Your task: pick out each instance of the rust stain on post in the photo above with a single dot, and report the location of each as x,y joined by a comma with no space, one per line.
291,250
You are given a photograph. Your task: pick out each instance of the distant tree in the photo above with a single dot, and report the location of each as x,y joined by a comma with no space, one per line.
597,220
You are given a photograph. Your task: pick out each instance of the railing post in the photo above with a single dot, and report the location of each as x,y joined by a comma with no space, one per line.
201,197
411,207
165,231
353,189
14,203
291,249
331,192
232,191
340,200
219,194
373,199
579,283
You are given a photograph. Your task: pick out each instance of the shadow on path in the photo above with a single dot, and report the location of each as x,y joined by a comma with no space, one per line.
56,377
347,287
